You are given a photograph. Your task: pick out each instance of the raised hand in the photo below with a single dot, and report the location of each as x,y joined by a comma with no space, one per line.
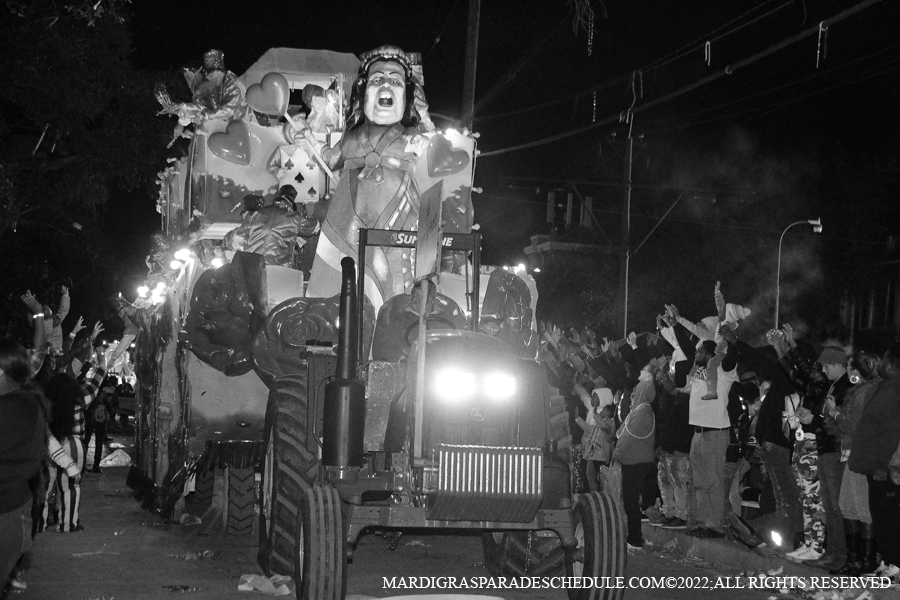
31,302
673,310
631,340
79,325
98,329
789,335
65,290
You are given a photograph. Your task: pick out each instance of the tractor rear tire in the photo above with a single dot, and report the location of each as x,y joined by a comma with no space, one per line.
199,501
522,554
320,564
600,533
289,470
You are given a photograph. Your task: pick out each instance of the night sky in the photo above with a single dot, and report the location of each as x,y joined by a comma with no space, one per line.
744,155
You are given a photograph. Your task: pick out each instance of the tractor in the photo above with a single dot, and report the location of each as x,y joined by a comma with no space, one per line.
453,437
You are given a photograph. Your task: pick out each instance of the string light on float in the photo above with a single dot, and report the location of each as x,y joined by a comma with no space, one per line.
158,295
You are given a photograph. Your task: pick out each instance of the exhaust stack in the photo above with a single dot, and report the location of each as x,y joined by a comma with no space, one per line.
344,418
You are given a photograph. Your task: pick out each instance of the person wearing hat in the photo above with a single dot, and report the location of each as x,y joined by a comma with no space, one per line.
813,418
273,230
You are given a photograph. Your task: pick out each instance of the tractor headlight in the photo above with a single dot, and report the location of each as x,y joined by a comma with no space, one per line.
499,386
454,385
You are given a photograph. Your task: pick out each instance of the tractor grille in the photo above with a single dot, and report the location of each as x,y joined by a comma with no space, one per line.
481,483
467,434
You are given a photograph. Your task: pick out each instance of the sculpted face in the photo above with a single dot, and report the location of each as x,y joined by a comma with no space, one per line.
385,93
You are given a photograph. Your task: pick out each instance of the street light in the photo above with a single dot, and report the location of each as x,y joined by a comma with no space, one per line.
817,228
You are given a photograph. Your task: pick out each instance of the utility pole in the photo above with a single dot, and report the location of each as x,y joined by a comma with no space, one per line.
625,256
468,99
625,150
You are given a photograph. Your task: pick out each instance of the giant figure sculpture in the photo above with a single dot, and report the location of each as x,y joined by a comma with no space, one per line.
377,158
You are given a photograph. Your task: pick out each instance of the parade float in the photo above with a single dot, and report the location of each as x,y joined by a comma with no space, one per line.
319,351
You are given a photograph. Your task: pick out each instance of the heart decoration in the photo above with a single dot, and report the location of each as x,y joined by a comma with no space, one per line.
233,144
270,96
443,159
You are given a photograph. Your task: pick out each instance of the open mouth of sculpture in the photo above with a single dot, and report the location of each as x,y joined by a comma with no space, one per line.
385,99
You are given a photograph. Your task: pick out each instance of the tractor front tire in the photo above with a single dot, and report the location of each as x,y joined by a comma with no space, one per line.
522,554
320,564
289,470
600,533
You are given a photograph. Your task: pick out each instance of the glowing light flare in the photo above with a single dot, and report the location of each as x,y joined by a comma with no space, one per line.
183,255
157,297
175,265
499,386
216,262
453,385
143,291
776,538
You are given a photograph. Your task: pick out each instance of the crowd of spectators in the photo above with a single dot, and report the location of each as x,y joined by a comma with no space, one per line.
51,397
787,447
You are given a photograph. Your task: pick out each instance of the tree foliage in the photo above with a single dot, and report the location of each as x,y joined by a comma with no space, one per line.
78,133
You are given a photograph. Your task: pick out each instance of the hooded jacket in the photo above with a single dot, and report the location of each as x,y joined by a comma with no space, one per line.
636,439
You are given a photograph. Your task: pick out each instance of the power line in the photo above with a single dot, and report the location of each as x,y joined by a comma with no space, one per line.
655,65
437,39
697,84
706,223
856,78
692,46
817,75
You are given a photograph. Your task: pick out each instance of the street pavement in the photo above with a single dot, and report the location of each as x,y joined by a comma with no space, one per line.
127,553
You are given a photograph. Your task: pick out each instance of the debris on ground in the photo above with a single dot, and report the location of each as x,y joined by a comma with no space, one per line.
182,588
119,458
276,585
203,555
189,519
417,543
